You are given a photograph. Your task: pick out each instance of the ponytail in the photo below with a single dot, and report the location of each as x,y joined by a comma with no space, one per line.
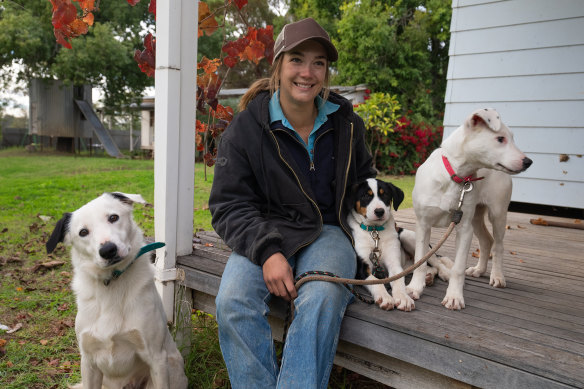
258,86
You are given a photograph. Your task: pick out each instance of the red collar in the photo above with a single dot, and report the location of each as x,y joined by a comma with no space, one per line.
455,178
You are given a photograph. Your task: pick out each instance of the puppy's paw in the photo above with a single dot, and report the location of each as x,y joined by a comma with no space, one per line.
403,302
497,280
385,302
414,289
453,302
474,271
430,275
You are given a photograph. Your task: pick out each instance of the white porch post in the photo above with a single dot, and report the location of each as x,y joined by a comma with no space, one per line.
174,142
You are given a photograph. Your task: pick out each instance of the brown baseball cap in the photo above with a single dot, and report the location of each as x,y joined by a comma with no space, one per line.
295,33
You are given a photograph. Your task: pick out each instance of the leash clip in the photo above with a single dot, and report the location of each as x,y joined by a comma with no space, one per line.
376,252
457,213
466,187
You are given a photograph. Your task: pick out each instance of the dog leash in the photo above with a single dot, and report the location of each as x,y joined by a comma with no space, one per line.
143,250
455,219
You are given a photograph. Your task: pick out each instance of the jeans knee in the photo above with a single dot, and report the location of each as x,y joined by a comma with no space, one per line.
328,294
227,304
222,306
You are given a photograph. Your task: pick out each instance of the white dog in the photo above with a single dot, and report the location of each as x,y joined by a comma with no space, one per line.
120,324
481,153
381,246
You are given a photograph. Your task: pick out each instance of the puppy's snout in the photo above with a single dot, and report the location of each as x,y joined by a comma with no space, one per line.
379,212
526,163
108,250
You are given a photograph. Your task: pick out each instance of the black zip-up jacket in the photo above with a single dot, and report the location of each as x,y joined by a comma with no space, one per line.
260,204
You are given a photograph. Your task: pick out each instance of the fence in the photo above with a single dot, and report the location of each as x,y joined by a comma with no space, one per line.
14,137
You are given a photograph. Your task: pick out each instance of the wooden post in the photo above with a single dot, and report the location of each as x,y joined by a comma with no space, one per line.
174,146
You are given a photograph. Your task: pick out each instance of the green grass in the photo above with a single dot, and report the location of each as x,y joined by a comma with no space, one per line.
43,353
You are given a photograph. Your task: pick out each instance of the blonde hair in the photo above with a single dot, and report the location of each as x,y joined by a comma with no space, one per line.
272,84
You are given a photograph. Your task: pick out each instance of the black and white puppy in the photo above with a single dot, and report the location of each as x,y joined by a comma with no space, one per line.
380,246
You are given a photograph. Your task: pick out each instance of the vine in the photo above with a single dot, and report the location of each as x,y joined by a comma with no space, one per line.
72,18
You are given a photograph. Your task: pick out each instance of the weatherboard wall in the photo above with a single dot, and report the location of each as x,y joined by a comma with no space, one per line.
525,58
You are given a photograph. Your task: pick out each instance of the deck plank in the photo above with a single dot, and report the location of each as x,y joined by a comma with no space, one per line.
529,334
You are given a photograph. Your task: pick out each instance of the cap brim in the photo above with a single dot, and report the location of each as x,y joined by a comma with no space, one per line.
331,51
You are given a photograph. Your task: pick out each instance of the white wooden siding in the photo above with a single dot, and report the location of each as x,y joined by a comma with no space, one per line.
525,58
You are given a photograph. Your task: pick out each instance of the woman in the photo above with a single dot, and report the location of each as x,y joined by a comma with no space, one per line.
283,168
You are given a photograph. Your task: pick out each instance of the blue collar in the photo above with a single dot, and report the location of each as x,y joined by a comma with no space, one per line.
325,108
143,250
371,228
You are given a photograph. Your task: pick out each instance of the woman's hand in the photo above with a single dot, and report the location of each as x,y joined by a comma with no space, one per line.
279,278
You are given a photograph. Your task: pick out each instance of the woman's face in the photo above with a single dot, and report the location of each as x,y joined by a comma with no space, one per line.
302,74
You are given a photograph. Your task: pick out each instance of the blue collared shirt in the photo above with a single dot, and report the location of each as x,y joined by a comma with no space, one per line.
276,114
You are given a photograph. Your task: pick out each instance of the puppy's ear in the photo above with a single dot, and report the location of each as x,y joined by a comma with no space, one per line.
58,233
352,196
129,199
398,196
487,117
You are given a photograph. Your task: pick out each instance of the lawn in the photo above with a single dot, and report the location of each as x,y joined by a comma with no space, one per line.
35,190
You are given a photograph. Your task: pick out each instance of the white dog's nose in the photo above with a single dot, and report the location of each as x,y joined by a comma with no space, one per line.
379,212
108,250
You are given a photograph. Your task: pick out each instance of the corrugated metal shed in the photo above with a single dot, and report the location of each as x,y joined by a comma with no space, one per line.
53,111
525,58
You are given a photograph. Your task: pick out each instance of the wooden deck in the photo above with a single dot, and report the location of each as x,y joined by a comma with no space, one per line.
527,335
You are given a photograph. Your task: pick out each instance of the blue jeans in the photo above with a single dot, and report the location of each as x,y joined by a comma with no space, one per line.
246,337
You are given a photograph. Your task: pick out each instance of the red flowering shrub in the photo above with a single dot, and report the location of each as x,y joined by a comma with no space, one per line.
407,147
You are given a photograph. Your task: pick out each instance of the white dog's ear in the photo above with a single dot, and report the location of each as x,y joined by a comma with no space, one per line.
129,198
59,232
487,116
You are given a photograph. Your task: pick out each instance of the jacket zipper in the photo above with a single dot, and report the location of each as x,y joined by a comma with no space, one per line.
312,168
303,191
345,188
311,160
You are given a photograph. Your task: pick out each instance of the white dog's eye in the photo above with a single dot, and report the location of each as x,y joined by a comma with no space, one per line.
113,218
501,139
83,232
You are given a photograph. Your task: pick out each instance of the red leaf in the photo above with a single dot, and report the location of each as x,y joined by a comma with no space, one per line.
61,39
207,22
230,61
199,142
201,127
147,58
152,8
208,65
67,24
89,19
65,14
78,27
223,113
240,3
133,2
209,159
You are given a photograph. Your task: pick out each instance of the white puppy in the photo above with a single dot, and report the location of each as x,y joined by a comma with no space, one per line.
120,325
481,153
381,246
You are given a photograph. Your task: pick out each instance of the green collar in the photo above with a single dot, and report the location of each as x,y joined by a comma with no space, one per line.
371,228
149,247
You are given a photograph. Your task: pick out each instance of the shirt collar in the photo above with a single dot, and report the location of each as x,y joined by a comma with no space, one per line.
325,109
